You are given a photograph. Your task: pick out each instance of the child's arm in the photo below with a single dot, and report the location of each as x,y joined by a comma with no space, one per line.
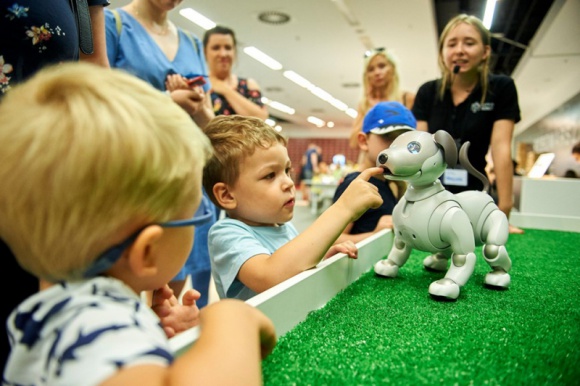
262,272
234,338
385,222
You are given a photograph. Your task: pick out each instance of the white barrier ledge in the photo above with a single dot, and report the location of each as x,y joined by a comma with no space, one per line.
290,302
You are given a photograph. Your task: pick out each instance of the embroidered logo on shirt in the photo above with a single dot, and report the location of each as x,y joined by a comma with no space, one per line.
476,106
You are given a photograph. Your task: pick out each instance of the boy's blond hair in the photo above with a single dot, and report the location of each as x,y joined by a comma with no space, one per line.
234,138
89,155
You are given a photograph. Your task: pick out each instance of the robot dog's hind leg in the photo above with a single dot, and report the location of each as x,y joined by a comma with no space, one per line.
436,262
495,234
498,259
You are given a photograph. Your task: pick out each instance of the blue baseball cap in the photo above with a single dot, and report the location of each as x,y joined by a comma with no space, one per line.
387,117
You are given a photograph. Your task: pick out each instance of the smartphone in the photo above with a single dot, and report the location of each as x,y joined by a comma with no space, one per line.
197,81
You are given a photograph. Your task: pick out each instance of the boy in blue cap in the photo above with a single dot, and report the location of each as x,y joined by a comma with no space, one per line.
382,124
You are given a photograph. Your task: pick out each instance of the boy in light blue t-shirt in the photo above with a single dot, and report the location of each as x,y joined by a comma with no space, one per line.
256,246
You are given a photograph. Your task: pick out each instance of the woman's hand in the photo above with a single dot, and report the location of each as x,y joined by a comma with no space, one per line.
176,82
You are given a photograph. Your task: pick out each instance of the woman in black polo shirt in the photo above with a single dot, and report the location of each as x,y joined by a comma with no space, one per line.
472,105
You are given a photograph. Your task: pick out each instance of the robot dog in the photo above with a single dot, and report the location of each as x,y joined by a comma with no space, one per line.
431,219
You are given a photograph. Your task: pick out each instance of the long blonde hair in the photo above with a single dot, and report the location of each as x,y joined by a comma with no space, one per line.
484,66
392,89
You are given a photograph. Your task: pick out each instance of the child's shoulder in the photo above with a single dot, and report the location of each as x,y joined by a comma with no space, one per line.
67,318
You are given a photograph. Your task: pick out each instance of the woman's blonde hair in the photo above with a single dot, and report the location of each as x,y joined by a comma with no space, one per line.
392,89
234,138
89,155
484,66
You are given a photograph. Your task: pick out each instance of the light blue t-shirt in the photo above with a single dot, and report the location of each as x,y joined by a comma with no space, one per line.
82,333
135,51
232,243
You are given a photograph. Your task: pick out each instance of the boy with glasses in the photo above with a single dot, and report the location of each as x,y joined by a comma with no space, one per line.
102,190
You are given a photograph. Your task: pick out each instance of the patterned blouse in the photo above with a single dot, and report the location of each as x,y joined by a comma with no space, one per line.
221,105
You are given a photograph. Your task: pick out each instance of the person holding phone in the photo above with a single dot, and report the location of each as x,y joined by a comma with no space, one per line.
143,41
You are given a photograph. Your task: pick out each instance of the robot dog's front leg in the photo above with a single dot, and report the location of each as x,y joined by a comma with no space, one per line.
398,256
455,228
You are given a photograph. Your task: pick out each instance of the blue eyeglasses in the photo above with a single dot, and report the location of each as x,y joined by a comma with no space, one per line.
106,260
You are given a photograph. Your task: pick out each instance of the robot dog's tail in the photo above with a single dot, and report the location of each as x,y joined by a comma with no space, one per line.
464,161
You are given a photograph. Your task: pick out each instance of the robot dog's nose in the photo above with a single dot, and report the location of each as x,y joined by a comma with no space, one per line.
382,158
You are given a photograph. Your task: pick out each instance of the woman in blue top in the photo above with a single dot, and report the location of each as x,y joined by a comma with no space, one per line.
142,41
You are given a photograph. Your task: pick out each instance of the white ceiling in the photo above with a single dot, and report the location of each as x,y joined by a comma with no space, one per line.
321,44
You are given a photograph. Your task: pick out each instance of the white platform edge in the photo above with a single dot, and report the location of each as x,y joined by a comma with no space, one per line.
545,222
289,303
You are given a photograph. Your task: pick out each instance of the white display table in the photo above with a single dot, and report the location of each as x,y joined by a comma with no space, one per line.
547,203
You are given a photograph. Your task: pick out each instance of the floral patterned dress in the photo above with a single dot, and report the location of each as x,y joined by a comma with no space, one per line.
36,33
221,105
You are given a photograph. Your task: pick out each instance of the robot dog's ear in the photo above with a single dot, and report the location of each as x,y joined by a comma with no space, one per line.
446,141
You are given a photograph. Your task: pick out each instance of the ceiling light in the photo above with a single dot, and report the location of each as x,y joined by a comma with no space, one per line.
316,121
351,113
270,122
294,77
197,18
488,16
278,106
282,107
274,17
325,96
263,58
330,124
338,104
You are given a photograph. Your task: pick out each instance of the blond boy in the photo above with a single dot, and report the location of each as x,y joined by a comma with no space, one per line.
256,246
101,192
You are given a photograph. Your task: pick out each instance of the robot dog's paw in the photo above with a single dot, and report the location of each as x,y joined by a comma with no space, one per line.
435,263
386,269
444,290
497,280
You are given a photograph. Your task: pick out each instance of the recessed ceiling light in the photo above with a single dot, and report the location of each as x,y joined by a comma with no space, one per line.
274,17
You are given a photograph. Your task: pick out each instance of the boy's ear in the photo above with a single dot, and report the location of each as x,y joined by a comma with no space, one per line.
141,258
362,141
224,196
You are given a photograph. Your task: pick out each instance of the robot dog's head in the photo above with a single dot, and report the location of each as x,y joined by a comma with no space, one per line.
418,157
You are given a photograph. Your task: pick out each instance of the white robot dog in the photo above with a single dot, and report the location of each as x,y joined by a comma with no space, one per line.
431,219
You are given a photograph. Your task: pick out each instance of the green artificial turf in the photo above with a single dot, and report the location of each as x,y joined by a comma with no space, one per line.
381,331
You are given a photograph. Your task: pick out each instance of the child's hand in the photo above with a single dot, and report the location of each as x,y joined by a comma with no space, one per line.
238,321
385,222
361,194
175,317
348,247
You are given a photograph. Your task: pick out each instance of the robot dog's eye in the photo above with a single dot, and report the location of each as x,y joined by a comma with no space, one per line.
414,147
